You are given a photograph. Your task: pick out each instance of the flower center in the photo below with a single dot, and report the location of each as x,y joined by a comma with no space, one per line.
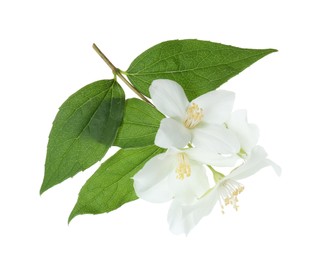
229,192
194,116
183,167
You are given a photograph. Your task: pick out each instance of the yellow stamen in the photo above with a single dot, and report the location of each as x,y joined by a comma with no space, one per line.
194,116
229,191
183,167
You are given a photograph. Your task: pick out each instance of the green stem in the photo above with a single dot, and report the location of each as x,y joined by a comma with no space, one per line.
117,72
217,175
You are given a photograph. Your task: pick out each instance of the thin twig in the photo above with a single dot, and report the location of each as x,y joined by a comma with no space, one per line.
116,72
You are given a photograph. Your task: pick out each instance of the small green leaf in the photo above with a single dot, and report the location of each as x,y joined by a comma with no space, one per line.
140,124
83,130
111,185
198,66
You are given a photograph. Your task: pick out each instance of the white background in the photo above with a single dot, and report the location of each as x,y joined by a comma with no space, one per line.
46,55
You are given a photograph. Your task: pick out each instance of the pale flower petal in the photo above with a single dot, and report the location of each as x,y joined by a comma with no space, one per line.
203,206
182,218
275,167
256,161
191,187
215,138
177,221
169,98
248,134
217,106
151,183
172,134
211,158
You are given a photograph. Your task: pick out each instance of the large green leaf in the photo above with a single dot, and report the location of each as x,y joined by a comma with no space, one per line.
198,66
140,124
111,185
83,130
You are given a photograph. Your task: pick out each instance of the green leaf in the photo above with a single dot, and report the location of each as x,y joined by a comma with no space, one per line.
111,185
198,66
140,124
83,130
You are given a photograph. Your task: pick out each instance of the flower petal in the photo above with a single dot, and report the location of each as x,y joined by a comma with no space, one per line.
182,218
169,98
215,138
191,187
275,167
217,106
211,158
151,182
172,133
203,206
255,162
248,134
178,222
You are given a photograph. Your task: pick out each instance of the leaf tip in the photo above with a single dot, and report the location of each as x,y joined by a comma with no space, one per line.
72,215
268,51
273,50
43,188
46,185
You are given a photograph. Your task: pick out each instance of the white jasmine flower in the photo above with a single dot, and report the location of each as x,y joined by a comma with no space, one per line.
177,174
200,121
182,217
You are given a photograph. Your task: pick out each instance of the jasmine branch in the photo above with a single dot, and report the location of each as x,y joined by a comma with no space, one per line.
117,72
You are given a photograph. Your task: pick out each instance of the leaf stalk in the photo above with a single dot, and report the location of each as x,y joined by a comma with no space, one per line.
117,72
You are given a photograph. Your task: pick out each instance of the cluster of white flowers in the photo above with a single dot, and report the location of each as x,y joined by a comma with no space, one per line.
198,135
